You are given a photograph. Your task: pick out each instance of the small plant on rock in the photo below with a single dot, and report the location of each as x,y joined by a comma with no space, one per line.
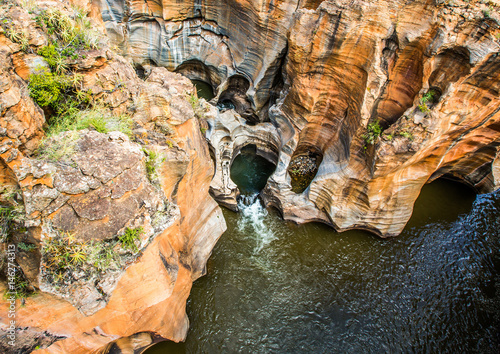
102,256
153,162
427,98
76,32
389,137
59,147
19,37
11,217
373,131
63,253
193,99
406,134
130,236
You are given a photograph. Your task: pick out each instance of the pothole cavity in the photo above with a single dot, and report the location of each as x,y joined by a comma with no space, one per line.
250,171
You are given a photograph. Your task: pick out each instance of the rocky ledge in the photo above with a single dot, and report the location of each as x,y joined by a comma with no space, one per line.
108,209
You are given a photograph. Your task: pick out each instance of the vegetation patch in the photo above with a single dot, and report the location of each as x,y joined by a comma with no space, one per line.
406,134
48,88
129,238
59,92
12,219
76,32
373,131
427,99
101,120
59,147
193,100
18,36
153,163
66,260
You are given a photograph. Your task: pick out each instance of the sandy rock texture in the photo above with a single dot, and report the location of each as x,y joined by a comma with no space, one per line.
326,72
154,181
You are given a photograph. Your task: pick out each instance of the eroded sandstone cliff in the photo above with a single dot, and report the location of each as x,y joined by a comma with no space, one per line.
331,76
111,228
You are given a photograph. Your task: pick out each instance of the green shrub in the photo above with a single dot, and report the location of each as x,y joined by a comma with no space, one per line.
49,52
428,97
153,161
193,99
130,236
46,88
406,134
77,32
373,131
92,120
57,62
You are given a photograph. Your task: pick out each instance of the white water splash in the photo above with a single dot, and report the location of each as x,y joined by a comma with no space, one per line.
252,221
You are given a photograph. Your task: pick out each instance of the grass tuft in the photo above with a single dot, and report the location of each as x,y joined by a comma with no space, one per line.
130,236
58,147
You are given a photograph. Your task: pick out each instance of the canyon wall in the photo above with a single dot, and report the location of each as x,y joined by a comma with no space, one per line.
358,103
110,227
368,101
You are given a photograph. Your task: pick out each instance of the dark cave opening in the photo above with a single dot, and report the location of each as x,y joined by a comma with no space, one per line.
235,97
250,170
205,78
203,89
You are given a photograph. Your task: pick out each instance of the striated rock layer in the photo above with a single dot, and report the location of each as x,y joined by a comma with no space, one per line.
381,61
326,72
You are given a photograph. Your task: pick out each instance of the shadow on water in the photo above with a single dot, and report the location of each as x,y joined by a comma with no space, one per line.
276,287
440,201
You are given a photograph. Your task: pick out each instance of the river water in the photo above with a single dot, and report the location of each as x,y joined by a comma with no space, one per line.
276,287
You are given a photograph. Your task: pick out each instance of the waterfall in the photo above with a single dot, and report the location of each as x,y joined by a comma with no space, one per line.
252,221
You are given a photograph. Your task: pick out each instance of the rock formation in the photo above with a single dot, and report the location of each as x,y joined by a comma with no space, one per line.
331,76
430,80
358,103
113,227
